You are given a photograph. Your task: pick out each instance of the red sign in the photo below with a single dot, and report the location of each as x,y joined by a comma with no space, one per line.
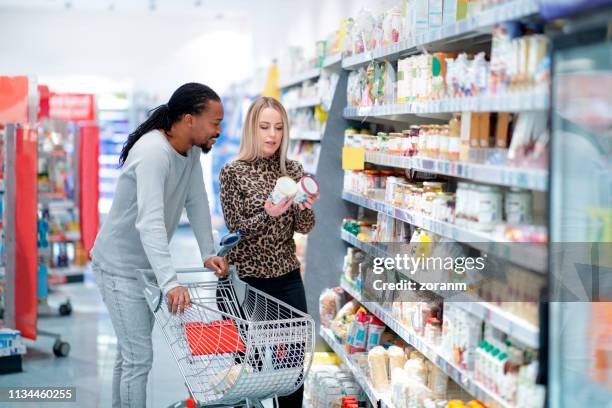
14,99
72,107
43,94
26,255
89,193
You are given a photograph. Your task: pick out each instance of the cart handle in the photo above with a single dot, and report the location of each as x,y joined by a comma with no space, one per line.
155,296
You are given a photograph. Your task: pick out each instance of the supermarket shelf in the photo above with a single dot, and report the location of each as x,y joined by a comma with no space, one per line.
470,27
533,179
511,102
303,103
514,326
301,77
312,135
460,376
332,60
338,348
68,237
530,256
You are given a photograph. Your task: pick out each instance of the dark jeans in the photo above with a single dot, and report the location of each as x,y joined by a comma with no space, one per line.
288,288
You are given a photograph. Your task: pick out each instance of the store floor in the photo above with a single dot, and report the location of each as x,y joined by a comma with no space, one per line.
90,365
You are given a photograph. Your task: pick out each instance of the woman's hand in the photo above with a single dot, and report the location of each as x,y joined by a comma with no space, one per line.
178,299
278,209
219,265
309,201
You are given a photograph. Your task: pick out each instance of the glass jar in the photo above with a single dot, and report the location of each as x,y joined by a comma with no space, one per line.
398,195
422,146
384,174
433,142
417,198
414,140
382,139
371,182
427,203
395,143
443,141
488,207
518,206
406,142
390,189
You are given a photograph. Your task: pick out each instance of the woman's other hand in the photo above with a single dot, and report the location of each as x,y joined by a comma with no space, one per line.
178,299
279,209
219,265
309,202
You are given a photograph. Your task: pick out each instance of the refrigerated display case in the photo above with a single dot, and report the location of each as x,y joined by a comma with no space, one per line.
581,215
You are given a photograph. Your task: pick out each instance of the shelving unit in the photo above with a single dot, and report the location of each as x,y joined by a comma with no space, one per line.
303,103
468,28
510,102
530,256
517,328
433,353
533,179
300,77
309,135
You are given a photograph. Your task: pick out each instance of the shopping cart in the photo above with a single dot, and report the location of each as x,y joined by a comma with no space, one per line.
235,345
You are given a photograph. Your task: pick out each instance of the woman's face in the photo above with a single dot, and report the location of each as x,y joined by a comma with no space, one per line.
270,131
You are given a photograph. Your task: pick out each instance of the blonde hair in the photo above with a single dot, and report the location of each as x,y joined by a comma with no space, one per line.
250,146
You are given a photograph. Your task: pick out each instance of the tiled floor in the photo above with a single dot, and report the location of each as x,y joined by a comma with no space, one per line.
90,334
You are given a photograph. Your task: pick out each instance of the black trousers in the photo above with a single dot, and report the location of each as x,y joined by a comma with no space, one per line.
288,288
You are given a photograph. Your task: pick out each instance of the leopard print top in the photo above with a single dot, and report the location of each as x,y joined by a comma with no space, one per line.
267,248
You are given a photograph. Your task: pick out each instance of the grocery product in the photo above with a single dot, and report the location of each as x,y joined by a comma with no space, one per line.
379,367
375,329
285,188
307,186
329,304
397,358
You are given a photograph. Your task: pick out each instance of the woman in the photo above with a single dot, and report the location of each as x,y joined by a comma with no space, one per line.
265,258
161,174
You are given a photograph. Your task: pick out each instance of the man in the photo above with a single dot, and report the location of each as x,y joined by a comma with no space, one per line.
161,175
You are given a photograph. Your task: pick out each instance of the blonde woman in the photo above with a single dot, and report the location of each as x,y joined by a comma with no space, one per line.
265,258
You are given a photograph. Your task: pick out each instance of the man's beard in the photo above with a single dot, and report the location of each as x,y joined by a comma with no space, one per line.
205,147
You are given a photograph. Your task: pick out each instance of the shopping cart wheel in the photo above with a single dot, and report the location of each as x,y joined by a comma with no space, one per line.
65,309
61,348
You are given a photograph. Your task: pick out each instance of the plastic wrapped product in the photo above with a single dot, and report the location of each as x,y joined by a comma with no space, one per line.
378,365
416,368
399,385
438,382
397,359
357,339
328,306
375,331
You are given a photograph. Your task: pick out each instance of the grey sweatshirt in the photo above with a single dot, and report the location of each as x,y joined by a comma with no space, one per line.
155,184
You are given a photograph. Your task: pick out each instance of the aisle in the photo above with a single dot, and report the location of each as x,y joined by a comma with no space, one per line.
93,342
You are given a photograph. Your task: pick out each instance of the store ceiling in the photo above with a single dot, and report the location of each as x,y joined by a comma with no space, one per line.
158,6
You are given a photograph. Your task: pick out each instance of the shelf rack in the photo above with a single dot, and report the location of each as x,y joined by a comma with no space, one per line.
521,177
530,256
514,326
518,101
467,28
463,378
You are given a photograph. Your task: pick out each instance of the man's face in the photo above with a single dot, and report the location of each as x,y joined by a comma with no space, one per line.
206,126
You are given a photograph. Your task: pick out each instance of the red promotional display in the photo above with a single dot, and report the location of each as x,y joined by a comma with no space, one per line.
26,262
89,145
13,99
72,107
43,97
